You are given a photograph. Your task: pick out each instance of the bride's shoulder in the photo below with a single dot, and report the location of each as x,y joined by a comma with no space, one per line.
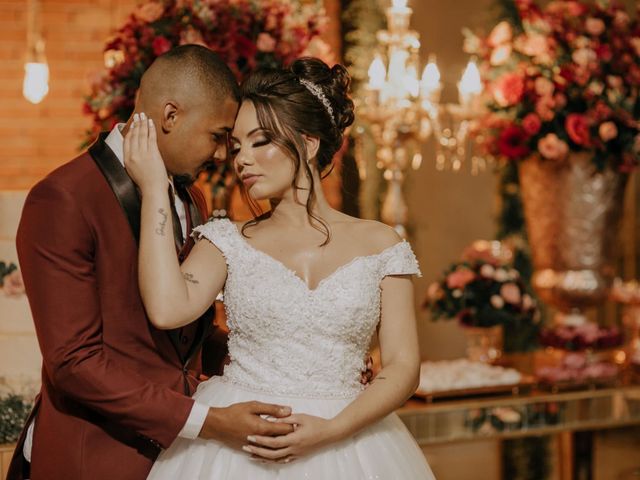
377,236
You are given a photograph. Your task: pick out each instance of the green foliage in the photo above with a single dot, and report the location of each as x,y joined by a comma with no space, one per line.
14,411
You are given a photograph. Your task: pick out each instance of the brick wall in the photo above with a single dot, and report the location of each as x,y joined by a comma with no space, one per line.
37,138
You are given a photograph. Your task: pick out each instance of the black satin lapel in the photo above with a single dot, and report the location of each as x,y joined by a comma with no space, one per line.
121,184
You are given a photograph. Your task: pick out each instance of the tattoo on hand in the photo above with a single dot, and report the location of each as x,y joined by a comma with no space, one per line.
161,226
190,278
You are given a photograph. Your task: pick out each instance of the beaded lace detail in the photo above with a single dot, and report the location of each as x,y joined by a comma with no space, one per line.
288,339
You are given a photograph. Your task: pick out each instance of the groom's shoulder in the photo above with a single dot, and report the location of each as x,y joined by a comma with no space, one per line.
77,175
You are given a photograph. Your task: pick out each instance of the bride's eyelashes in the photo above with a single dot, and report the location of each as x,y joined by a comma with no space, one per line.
235,147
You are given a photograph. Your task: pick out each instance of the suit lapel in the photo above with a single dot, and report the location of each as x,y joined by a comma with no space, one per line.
127,195
122,186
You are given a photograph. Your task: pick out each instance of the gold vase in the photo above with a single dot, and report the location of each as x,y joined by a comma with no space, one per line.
484,344
572,212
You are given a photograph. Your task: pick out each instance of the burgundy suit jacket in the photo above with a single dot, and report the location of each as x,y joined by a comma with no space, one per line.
114,388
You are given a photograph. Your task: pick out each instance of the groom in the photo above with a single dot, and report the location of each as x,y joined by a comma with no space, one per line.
115,389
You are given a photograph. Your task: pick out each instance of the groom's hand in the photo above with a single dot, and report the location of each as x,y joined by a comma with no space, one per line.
233,424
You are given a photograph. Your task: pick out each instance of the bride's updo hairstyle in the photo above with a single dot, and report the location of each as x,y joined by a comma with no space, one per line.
308,98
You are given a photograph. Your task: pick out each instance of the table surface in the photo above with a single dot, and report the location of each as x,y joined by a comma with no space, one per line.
531,414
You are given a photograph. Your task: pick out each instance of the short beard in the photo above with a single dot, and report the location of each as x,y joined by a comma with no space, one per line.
183,180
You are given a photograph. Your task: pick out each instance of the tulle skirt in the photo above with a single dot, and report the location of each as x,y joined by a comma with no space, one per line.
385,450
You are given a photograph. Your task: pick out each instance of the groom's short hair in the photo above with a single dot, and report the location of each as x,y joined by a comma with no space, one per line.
201,65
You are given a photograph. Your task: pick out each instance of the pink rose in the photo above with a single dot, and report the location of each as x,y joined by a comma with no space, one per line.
435,292
545,108
160,45
621,19
531,124
527,302
497,301
460,278
533,45
266,43
509,89
575,9
635,43
577,128
544,87
191,36
501,33
552,148
560,100
608,131
594,26
584,56
13,286
511,293
149,12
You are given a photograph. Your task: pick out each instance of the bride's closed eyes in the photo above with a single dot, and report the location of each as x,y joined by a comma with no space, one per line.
258,142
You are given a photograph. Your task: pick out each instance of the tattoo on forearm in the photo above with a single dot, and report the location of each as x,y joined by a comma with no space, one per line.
163,223
190,278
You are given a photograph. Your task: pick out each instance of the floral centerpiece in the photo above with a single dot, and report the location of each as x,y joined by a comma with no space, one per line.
566,79
246,33
484,290
562,83
481,290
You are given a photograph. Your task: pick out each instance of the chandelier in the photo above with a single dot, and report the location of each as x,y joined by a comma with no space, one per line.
403,110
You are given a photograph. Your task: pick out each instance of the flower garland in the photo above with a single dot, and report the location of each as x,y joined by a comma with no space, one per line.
247,34
564,77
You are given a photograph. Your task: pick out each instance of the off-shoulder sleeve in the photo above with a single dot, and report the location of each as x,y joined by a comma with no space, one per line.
219,231
399,259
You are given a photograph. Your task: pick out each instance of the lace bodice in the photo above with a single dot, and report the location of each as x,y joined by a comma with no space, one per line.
285,338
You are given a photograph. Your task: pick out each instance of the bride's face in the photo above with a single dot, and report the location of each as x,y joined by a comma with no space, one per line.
264,169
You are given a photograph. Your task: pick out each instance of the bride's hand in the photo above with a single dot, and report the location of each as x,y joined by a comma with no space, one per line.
142,159
310,433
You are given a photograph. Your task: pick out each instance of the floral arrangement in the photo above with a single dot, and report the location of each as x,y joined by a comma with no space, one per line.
581,337
246,33
565,77
14,410
11,282
577,369
482,290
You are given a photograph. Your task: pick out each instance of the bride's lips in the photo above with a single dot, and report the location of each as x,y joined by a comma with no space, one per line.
249,180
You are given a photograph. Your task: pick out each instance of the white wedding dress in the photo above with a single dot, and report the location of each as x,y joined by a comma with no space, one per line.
303,348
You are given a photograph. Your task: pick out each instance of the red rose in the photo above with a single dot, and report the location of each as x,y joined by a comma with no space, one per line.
577,128
160,45
512,143
509,89
531,124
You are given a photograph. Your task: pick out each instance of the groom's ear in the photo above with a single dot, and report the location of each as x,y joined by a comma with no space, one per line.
169,116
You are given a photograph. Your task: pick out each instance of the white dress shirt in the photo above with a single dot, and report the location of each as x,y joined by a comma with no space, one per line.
198,414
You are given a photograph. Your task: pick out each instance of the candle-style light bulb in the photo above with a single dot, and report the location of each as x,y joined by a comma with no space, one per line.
36,81
470,83
377,74
430,77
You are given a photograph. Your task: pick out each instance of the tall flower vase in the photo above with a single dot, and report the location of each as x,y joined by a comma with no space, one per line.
484,344
572,213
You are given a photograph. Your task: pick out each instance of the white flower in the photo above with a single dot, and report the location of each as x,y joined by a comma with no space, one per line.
497,301
457,293
584,56
513,274
501,275
487,270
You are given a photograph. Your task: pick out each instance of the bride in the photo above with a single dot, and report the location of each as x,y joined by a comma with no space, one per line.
305,288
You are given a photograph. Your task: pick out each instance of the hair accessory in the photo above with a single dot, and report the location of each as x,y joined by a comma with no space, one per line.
317,92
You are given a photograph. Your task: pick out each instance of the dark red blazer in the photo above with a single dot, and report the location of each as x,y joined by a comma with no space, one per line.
114,388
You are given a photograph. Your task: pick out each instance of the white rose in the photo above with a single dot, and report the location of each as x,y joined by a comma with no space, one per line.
497,301
501,275
487,270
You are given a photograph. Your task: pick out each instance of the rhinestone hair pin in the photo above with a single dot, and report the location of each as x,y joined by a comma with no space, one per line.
317,92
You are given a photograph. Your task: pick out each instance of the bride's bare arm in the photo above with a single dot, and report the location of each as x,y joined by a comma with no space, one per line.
173,295
394,384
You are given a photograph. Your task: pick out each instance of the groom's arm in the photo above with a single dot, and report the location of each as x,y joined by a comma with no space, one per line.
56,249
